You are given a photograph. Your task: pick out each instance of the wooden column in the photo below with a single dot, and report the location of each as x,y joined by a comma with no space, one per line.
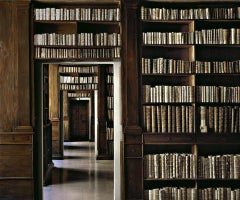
54,111
132,131
24,84
8,67
16,133
102,140
65,116
92,138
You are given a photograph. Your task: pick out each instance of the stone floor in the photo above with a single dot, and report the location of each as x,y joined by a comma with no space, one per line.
80,176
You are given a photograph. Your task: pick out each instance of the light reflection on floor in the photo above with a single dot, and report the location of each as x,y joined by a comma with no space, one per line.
80,176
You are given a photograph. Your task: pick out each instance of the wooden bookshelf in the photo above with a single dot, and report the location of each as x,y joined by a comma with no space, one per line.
76,31
189,68
110,109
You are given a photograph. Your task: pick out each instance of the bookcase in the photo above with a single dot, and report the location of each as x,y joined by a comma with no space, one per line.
75,77
76,31
110,109
189,69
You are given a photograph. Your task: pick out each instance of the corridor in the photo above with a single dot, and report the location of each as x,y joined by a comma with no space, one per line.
80,176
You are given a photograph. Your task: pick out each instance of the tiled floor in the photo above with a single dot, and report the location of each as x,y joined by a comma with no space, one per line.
80,176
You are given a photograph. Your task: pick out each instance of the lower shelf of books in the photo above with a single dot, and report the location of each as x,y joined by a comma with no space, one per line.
220,193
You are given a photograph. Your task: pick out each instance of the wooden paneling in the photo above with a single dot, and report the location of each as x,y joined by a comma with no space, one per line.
56,139
15,138
24,116
54,111
65,115
133,187
16,169
8,71
16,148
16,189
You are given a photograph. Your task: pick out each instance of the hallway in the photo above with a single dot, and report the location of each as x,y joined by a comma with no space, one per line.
80,176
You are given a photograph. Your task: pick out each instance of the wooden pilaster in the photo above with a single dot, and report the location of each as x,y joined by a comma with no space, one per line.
132,129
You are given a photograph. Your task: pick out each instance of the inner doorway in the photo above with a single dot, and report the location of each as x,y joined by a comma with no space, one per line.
78,120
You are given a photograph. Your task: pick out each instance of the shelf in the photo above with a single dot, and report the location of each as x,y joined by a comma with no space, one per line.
76,47
179,46
167,103
193,179
168,138
217,138
168,21
53,60
190,138
76,21
216,104
77,74
170,179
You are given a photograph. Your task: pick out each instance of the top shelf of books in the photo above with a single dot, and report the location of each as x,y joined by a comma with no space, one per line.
199,13
77,14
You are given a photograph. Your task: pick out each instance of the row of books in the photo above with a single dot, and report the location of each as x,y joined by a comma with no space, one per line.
110,113
65,53
163,13
110,133
78,14
169,119
99,39
218,94
66,86
183,193
171,66
217,36
82,39
162,38
219,167
209,36
109,79
186,94
79,94
170,166
189,166
220,119
168,94
55,39
110,103
220,193
171,193
83,69
79,80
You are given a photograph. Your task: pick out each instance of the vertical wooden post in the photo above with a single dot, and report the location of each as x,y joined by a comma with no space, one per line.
54,111
132,129
102,140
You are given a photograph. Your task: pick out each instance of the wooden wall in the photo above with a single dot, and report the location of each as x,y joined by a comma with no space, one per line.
54,112
132,130
16,134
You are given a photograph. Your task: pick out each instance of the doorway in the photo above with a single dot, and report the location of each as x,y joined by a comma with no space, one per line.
118,152
78,120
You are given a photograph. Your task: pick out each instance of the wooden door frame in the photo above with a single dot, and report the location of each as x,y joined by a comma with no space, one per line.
118,130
